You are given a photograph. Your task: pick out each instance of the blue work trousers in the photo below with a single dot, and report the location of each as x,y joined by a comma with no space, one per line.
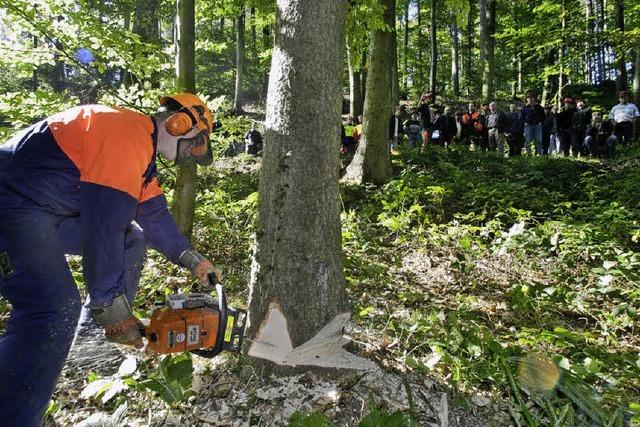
46,306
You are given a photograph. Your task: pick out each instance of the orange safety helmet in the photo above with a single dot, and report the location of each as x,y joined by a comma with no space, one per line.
194,113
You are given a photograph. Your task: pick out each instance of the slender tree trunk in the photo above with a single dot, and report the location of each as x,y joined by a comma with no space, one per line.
238,99
601,43
184,198
395,81
364,67
254,36
487,79
561,52
470,34
434,50
355,86
418,70
146,25
588,16
405,60
455,77
519,72
371,162
636,77
297,268
482,7
547,88
34,76
621,65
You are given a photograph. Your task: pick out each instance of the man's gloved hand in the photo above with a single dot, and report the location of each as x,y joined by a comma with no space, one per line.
199,266
119,323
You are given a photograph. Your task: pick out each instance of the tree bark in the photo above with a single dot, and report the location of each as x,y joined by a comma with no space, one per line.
405,50
372,163
364,69
467,69
146,25
482,10
355,86
621,65
455,77
395,81
184,198
636,77
297,268
254,36
434,51
487,78
238,99
588,58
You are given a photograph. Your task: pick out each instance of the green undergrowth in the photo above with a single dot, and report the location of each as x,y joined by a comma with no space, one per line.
466,266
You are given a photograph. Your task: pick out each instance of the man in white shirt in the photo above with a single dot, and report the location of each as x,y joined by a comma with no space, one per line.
623,116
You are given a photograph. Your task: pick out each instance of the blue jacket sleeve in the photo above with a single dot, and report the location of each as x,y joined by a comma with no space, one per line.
160,229
105,214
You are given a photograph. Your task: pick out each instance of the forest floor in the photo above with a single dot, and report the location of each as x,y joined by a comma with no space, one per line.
491,291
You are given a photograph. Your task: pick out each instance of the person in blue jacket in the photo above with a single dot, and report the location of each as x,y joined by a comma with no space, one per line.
83,181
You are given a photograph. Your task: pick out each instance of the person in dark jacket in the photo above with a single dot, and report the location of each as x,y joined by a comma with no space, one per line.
548,130
532,116
424,108
600,140
581,119
413,129
564,121
253,140
396,130
515,131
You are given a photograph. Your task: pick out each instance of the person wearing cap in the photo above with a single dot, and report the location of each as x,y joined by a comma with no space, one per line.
564,121
515,131
581,119
532,116
84,181
623,116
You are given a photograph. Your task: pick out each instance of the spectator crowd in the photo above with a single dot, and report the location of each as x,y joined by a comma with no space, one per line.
574,129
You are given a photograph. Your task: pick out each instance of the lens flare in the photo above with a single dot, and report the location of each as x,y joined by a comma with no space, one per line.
84,55
537,373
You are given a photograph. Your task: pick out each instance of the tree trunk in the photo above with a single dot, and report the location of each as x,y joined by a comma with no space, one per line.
254,36
34,77
146,25
621,66
238,99
395,81
602,45
547,88
372,163
482,8
487,78
588,17
184,198
355,86
455,78
405,62
434,50
297,268
467,69
561,53
636,77
364,67
418,70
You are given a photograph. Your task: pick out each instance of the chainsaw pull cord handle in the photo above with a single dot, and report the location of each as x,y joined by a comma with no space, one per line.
222,320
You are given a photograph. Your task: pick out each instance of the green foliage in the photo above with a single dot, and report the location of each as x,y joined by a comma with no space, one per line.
314,419
172,378
520,250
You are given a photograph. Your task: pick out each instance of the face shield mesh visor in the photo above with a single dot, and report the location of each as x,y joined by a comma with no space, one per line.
195,149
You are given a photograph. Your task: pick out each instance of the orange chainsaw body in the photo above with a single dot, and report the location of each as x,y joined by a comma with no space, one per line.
176,330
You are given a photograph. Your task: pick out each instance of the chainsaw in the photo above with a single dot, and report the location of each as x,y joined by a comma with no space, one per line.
196,322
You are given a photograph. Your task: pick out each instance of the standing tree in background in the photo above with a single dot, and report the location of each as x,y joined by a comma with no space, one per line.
489,63
434,50
371,162
145,25
238,98
621,65
297,284
184,198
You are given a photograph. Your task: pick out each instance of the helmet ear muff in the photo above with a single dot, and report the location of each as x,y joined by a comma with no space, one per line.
178,124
